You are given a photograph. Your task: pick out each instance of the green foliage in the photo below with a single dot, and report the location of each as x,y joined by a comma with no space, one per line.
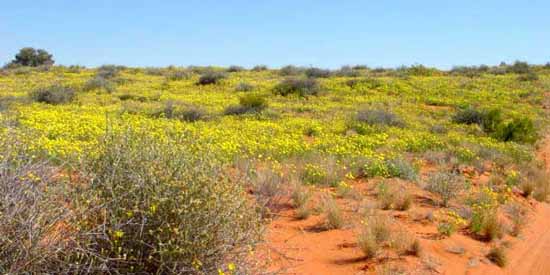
299,86
260,68
99,82
379,117
290,70
33,57
211,77
317,73
55,94
519,129
184,112
244,87
249,103
234,69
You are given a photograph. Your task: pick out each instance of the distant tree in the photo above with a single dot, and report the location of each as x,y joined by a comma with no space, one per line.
33,57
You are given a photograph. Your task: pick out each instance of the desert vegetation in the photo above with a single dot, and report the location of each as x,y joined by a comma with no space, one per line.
181,170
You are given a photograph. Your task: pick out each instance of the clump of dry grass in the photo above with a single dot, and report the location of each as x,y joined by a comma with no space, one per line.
376,231
334,218
517,215
300,197
404,243
497,255
393,197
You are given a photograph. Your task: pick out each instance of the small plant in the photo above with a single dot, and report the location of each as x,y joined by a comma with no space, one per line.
55,94
529,76
250,103
317,73
290,70
108,71
244,87
260,68
368,244
446,185
517,215
211,77
497,255
484,221
300,196
322,170
97,83
334,218
379,117
401,168
303,212
299,86
519,129
446,229
234,69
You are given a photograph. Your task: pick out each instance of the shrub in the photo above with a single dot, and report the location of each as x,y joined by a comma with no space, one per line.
484,221
347,71
468,115
155,207
298,86
393,197
176,75
33,57
250,103
55,94
234,69
519,67
446,185
401,168
530,76
189,113
290,70
244,87
209,78
497,255
317,73
139,98
108,71
98,82
300,196
259,68
322,170
268,188
519,129
368,244
32,213
446,228
379,117
334,218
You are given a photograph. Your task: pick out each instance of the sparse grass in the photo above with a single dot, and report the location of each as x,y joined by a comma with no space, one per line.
446,185
497,255
334,218
393,197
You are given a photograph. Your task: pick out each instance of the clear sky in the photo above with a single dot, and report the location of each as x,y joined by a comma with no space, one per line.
278,32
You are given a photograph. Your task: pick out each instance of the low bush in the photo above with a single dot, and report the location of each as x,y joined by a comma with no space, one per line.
209,78
244,87
108,71
446,185
391,196
250,103
334,218
260,68
530,76
519,129
234,69
184,112
97,83
299,86
290,70
155,207
497,255
379,117
317,73
322,170
55,94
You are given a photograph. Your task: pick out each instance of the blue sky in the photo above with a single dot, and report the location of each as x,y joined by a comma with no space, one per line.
317,33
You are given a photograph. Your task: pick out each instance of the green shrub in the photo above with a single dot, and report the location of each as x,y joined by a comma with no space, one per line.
446,185
250,103
209,78
55,94
299,86
33,57
234,69
155,207
401,168
519,129
176,75
189,113
317,73
529,76
290,70
98,82
468,115
259,68
489,120
519,67
379,117
108,71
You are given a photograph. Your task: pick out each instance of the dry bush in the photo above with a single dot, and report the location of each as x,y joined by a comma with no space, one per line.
497,255
334,218
375,232
446,185
395,197
518,217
